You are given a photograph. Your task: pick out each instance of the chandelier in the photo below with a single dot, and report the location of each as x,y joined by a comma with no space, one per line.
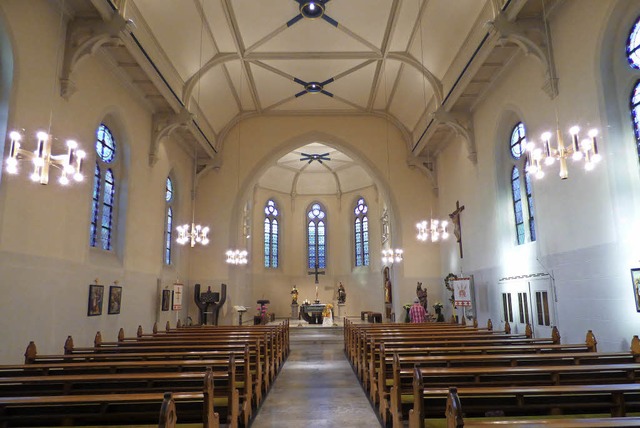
437,229
69,163
390,256
585,150
194,233
237,257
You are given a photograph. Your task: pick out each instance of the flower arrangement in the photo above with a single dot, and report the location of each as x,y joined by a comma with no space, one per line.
327,310
449,286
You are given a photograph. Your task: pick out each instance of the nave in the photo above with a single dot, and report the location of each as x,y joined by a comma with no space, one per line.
316,386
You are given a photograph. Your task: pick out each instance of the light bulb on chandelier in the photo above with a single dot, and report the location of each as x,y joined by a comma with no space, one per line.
69,163
579,150
437,229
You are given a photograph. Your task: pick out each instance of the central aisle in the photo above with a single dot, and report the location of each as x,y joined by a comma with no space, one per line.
317,386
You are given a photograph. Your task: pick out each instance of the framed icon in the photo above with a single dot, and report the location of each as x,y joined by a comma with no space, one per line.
115,299
96,296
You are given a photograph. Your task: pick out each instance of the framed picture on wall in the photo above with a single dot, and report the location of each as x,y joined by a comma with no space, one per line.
115,299
166,299
635,281
96,296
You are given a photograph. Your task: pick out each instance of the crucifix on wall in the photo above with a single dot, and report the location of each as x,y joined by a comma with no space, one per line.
316,272
455,219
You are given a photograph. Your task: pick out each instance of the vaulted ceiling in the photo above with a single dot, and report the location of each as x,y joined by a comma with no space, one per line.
204,65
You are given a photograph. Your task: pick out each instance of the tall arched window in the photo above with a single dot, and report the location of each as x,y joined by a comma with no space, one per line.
104,191
520,182
633,55
361,233
633,45
271,234
316,238
168,223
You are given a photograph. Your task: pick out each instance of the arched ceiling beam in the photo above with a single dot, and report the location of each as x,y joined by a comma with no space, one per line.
435,83
191,82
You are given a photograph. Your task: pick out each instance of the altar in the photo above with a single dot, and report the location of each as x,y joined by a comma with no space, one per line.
312,312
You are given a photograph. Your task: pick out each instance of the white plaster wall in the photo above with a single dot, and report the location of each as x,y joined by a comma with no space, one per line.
581,241
46,264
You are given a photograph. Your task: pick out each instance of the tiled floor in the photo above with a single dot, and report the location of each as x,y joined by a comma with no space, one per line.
317,386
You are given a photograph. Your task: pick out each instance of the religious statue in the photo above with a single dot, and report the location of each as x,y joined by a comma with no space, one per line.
422,296
387,287
342,294
294,295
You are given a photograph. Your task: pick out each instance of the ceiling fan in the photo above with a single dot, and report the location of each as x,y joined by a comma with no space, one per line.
312,10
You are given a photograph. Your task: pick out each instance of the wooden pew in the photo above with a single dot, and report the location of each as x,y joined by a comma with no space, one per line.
249,395
455,419
516,388
122,408
258,368
463,358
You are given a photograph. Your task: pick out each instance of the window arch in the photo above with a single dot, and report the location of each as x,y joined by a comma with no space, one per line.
361,233
635,113
316,237
521,182
168,223
104,190
271,234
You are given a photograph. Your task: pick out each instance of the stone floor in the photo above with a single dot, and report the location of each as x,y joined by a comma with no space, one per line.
316,386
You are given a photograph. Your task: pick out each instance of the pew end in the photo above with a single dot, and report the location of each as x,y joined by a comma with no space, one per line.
591,341
31,352
489,325
139,331
635,345
97,341
121,335
168,416
68,345
555,335
453,411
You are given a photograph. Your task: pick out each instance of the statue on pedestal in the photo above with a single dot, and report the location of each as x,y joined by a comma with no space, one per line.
342,294
294,295
421,293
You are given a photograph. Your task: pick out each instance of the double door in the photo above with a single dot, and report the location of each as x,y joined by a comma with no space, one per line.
530,301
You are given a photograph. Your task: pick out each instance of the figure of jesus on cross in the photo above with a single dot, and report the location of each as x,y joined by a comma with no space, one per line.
316,272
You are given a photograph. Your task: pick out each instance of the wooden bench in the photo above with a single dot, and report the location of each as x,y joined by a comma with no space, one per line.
381,386
516,382
455,419
248,371
118,408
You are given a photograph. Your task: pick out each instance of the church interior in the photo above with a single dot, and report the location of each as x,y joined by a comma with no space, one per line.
250,147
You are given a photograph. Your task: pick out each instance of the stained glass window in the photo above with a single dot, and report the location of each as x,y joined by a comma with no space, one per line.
633,45
316,237
105,144
518,141
168,231
107,209
95,207
361,232
517,204
271,234
532,223
635,113
104,191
